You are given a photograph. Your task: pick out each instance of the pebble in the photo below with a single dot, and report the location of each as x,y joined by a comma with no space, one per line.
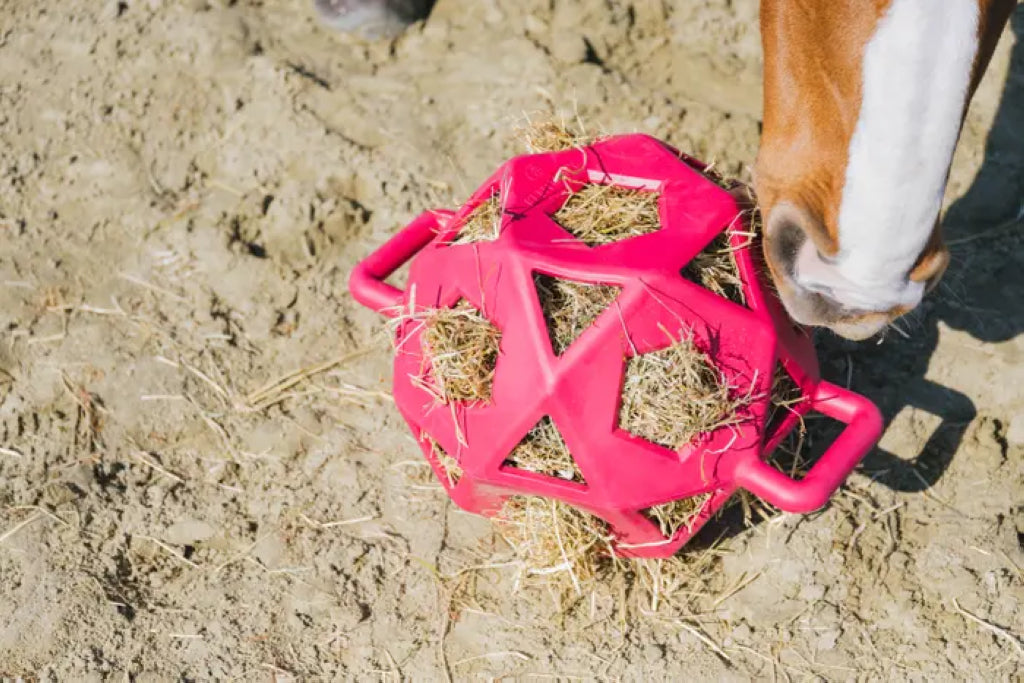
741,633
568,48
827,640
652,123
1015,432
812,592
534,25
188,531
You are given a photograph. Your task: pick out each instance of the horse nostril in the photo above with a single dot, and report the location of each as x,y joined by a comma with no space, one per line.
783,246
797,232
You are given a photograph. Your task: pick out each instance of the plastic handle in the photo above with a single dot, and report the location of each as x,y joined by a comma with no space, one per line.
367,280
864,427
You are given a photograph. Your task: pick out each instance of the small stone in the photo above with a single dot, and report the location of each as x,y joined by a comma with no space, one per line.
188,531
1015,432
654,653
493,15
568,48
651,123
269,551
533,25
812,592
741,633
898,560
991,582
827,640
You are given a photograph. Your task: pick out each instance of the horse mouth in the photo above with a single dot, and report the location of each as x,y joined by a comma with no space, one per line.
815,307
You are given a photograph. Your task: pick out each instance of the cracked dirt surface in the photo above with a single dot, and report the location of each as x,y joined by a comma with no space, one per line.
184,188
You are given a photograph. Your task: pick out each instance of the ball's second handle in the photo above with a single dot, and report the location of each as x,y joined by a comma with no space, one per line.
863,428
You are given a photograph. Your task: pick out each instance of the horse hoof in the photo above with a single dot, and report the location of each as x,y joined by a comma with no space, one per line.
371,18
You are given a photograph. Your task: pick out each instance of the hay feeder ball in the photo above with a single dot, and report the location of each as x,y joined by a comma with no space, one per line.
574,394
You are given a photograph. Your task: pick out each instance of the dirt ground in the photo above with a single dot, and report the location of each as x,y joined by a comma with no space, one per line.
184,189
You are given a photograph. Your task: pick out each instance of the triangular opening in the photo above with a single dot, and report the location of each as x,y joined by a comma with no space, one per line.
570,307
460,350
603,214
483,224
715,269
672,516
672,396
543,450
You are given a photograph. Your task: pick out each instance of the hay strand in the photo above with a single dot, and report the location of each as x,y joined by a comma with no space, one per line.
451,467
715,269
673,516
671,396
462,347
554,540
550,135
483,224
603,214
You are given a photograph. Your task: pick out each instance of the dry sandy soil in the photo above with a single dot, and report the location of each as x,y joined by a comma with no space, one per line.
184,189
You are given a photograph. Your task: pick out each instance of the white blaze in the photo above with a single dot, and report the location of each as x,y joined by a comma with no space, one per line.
917,70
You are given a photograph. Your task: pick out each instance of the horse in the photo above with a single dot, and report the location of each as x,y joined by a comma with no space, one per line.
864,101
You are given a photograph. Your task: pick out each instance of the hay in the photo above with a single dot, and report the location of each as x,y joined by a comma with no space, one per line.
786,393
551,539
462,348
673,395
673,516
603,214
715,269
451,467
568,550
549,135
570,307
483,224
544,451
